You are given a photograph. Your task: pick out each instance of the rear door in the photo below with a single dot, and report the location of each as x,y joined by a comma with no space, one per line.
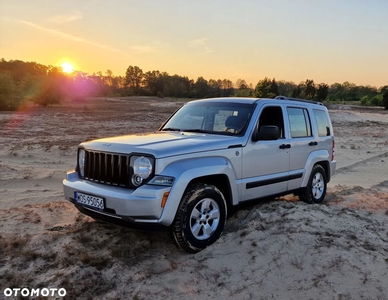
302,143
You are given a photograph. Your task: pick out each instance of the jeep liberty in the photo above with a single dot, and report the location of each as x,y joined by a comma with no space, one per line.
210,156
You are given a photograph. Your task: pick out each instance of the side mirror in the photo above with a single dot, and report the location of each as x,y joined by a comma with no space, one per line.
266,133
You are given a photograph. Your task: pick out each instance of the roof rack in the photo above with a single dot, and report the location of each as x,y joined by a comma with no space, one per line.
298,99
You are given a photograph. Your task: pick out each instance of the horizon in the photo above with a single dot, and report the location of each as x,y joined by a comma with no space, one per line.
327,42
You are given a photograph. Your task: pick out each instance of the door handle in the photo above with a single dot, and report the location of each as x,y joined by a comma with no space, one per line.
313,143
285,146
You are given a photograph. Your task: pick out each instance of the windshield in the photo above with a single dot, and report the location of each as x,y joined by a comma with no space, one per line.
228,118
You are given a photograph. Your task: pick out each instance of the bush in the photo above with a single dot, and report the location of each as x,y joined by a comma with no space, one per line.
377,100
10,96
365,100
49,93
385,100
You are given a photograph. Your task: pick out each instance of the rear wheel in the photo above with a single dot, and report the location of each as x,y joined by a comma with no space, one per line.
200,218
315,190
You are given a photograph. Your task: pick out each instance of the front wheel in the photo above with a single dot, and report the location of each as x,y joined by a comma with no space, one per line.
315,190
200,218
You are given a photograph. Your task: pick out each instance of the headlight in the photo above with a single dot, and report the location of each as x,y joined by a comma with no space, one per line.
81,162
142,169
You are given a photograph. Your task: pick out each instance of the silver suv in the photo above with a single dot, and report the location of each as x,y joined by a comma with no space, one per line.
209,156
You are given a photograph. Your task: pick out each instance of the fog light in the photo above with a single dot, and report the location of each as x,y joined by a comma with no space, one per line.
136,180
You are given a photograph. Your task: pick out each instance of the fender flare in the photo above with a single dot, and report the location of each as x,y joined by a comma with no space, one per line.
314,158
184,171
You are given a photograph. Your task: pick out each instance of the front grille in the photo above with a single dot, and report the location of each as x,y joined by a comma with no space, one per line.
107,168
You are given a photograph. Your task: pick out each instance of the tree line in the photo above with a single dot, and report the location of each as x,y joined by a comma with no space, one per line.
23,82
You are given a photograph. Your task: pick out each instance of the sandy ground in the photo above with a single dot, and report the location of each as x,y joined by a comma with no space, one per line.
278,249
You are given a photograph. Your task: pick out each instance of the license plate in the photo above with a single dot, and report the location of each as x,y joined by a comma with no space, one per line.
89,200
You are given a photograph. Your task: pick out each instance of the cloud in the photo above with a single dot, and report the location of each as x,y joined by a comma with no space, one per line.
150,48
65,18
67,36
143,49
198,42
201,44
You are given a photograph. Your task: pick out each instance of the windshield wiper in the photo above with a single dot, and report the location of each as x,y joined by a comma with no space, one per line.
171,129
198,130
187,130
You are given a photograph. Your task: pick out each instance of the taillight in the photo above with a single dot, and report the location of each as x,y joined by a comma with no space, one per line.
332,151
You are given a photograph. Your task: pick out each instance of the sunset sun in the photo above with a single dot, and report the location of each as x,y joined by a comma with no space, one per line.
67,67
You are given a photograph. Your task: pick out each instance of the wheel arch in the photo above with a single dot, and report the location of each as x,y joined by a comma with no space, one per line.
319,157
326,166
217,171
220,181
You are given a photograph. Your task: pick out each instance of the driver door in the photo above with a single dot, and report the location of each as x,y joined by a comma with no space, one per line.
266,163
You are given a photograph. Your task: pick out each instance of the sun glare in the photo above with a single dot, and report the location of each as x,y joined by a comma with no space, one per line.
67,67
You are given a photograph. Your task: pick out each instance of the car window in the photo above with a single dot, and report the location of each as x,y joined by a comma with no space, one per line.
272,115
230,118
299,119
191,122
323,123
220,119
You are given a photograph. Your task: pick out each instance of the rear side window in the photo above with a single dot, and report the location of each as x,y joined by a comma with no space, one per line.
299,122
323,122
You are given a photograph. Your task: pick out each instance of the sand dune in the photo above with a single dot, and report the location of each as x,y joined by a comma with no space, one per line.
277,249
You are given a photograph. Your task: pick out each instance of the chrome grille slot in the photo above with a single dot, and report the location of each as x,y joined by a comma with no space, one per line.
107,168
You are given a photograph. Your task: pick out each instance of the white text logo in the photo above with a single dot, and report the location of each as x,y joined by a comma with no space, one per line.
26,292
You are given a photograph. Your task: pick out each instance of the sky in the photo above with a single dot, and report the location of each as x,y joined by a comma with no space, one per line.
328,41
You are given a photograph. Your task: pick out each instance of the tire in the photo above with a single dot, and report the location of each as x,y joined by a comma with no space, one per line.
315,190
200,218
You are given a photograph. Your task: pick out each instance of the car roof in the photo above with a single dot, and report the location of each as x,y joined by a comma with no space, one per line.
229,99
247,100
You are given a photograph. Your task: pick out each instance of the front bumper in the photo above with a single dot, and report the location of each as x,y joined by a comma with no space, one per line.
140,208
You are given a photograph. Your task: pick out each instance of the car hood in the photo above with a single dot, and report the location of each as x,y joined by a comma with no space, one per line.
163,144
